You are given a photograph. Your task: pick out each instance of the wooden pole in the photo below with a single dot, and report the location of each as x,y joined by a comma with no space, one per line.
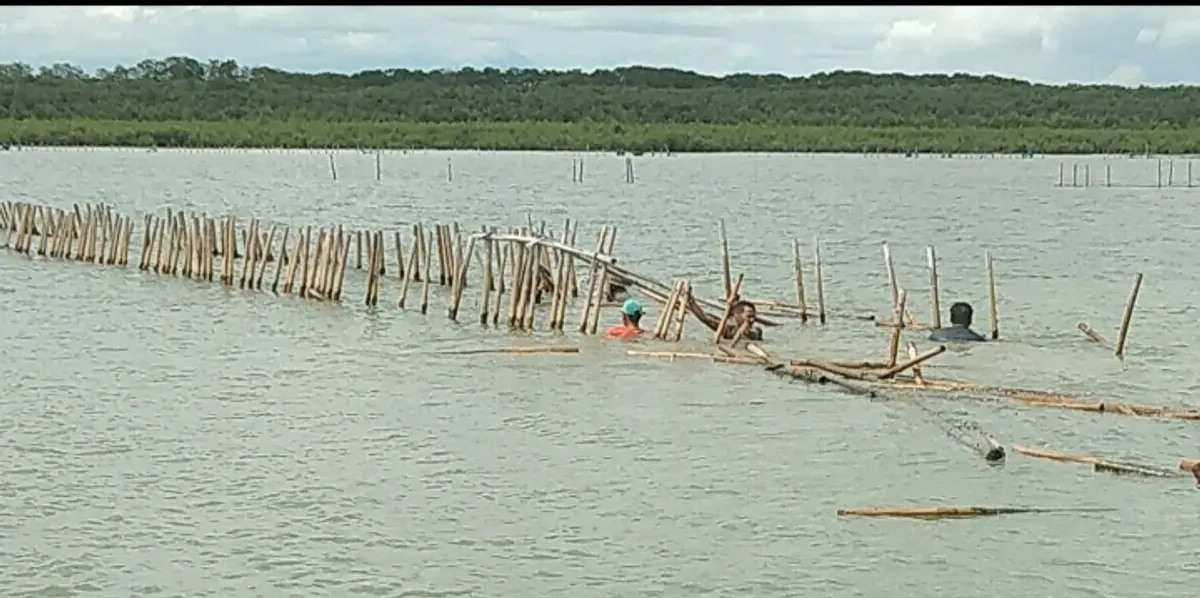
1127,317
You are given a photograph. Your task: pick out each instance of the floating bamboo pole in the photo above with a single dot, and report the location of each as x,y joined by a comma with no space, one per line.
513,351
957,512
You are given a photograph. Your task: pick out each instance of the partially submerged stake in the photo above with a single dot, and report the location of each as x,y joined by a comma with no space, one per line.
935,301
994,317
1127,317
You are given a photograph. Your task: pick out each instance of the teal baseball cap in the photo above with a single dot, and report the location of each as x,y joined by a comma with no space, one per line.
632,307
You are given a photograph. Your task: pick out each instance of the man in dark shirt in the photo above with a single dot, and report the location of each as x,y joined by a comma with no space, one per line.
960,326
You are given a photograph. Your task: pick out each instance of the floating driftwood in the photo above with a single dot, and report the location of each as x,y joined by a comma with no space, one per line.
1098,464
511,350
958,512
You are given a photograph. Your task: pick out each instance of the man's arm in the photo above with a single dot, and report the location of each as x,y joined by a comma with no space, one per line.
707,319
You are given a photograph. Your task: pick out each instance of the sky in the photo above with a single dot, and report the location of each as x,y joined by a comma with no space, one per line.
1125,45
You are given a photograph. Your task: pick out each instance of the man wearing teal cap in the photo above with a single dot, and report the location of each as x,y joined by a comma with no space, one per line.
631,315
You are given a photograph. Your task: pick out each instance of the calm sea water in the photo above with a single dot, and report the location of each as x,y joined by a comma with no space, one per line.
174,438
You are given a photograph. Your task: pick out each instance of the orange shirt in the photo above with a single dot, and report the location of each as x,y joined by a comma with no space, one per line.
623,332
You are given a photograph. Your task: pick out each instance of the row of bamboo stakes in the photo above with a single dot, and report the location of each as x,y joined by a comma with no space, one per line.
521,269
94,233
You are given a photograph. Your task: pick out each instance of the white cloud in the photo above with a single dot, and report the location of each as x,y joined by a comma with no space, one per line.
1129,44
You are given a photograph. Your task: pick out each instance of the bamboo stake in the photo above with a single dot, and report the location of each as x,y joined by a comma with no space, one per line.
727,276
820,281
798,266
993,318
1127,317
729,303
935,301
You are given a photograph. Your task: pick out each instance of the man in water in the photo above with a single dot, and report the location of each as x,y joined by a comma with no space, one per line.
960,326
743,314
631,316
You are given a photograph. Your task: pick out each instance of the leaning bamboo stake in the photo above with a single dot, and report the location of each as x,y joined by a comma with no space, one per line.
682,312
1127,317
890,268
957,512
993,316
531,284
399,255
820,281
603,276
414,252
425,243
917,375
283,259
664,316
593,287
504,258
729,303
798,266
266,252
897,329
340,276
460,281
727,275
487,284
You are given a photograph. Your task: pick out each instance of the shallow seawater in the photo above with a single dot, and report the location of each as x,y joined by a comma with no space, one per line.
174,438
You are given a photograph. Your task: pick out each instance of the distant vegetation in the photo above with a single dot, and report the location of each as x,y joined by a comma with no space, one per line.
180,101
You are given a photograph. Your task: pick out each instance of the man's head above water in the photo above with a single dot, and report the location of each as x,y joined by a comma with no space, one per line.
961,314
631,311
744,311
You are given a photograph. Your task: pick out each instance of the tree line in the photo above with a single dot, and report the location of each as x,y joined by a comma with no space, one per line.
183,101
185,89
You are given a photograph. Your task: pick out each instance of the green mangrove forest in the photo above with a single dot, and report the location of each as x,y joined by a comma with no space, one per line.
184,102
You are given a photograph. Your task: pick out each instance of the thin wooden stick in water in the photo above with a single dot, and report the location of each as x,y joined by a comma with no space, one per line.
593,286
1127,317
727,275
994,318
820,280
935,302
425,279
729,303
410,272
487,283
890,267
512,350
798,266
281,260
897,328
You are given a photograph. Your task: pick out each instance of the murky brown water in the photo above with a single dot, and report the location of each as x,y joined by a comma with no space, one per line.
174,438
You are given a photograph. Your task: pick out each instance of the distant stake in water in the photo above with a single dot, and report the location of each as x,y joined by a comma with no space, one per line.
332,166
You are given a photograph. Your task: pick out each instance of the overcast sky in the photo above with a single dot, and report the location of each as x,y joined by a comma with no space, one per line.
1126,45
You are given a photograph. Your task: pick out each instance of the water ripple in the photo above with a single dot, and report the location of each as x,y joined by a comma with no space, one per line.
169,438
